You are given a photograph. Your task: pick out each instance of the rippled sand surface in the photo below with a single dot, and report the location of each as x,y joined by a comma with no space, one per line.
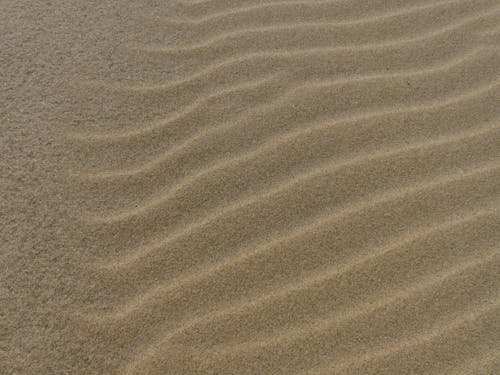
250,187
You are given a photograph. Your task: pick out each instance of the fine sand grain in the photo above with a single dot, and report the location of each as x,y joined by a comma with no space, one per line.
250,187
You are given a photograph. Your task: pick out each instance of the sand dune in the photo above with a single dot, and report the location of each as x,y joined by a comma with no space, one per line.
323,198
313,188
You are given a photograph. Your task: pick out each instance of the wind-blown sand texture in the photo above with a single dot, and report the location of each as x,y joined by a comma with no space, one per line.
252,187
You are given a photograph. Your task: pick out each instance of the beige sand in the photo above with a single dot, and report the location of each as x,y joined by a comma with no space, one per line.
250,187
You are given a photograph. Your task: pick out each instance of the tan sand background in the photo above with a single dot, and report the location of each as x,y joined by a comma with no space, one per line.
249,187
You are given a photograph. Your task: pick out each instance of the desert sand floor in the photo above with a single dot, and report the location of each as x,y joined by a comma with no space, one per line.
250,187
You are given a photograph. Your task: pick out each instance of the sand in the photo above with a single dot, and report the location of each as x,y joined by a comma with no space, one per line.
250,187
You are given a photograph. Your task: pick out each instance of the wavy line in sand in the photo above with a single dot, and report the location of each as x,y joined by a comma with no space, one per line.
318,34
390,248
298,8
250,88
326,167
292,95
207,10
164,125
316,328
319,326
447,120
268,147
436,332
252,201
291,235
211,72
215,47
178,85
